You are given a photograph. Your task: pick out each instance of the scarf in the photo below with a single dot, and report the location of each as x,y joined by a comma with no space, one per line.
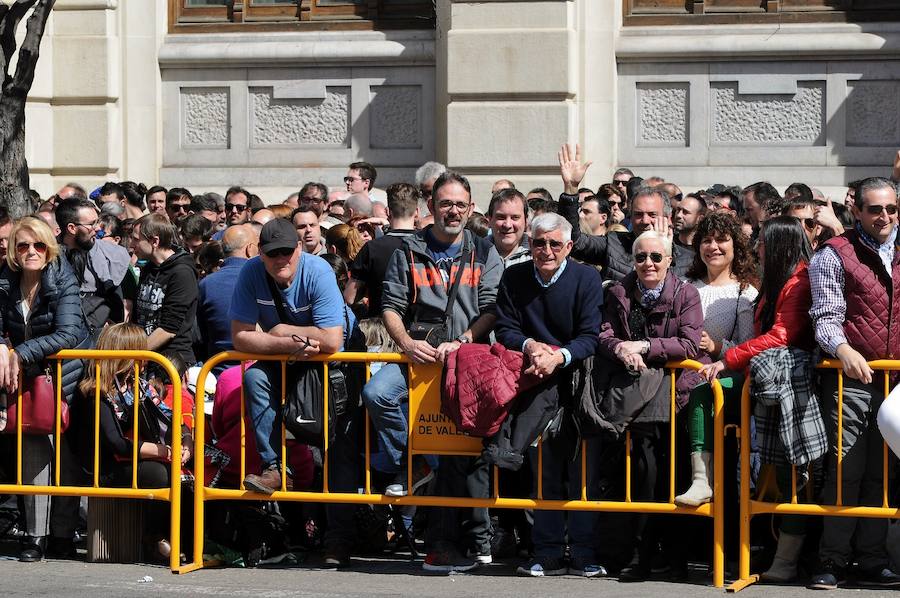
884,250
649,297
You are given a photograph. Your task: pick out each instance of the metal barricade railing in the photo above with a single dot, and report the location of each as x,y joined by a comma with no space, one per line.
171,494
750,507
424,400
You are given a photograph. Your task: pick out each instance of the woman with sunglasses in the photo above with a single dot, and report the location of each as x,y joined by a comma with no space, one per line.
724,273
650,317
40,314
781,319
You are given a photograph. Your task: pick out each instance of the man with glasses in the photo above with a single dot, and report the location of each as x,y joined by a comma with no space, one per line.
650,210
802,207
237,206
549,309
855,294
101,268
414,300
361,179
315,195
178,204
620,179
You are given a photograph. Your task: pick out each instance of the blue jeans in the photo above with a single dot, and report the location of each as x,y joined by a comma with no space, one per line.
386,398
262,394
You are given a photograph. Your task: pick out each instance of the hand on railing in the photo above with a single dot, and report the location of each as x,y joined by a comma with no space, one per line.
10,366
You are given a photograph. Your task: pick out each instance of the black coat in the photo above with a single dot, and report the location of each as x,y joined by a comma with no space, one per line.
56,321
613,250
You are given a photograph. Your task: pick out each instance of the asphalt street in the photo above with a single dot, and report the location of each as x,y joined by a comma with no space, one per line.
372,577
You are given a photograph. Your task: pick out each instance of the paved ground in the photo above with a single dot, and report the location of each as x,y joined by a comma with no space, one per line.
369,578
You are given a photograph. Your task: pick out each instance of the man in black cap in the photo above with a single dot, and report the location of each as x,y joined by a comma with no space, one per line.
314,311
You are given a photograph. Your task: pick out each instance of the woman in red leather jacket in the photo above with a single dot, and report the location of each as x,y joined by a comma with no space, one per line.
781,320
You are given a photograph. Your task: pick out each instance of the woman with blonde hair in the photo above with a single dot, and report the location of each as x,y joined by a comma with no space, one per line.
112,381
40,314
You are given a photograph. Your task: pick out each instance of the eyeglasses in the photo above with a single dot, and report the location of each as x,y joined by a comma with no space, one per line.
317,199
446,204
809,223
236,207
553,244
87,224
39,246
891,209
655,257
280,252
350,179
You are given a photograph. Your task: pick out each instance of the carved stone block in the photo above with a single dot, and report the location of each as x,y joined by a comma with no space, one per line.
205,117
663,114
873,108
395,116
287,122
767,118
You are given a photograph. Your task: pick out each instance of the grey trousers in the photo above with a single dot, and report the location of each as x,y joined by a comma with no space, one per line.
862,473
38,454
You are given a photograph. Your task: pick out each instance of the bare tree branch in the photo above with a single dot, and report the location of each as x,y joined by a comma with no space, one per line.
12,16
30,48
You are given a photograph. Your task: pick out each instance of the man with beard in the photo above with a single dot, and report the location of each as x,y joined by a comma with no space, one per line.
686,217
99,267
416,293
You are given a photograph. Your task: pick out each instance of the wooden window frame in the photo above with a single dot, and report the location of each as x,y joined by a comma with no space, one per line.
696,12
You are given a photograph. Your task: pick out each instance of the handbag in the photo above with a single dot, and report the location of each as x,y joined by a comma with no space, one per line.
435,333
38,408
304,404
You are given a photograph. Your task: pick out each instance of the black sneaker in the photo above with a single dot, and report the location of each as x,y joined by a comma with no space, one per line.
634,573
829,577
61,548
337,556
542,567
881,577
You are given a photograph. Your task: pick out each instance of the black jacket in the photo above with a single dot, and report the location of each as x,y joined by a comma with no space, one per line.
167,299
612,250
56,321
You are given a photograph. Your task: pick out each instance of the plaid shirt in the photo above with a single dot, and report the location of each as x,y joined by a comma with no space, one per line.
789,425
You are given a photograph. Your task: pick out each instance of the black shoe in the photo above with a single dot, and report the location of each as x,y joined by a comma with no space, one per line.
880,577
634,573
829,577
337,556
33,550
61,548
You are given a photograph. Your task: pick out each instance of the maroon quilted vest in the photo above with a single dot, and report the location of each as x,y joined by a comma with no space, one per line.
872,324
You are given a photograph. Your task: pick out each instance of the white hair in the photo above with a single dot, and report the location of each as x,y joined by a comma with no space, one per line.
652,235
549,222
428,171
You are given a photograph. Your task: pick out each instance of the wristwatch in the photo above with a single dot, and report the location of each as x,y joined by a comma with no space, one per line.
462,338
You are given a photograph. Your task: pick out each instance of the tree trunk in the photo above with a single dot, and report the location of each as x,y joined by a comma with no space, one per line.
14,180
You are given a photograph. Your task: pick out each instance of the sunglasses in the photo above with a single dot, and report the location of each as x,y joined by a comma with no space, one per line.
891,209
280,252
235,206
553,244
184,207
350,179
655,257
318,199
39,246
809,223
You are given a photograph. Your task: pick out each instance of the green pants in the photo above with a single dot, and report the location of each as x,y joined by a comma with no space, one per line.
699,412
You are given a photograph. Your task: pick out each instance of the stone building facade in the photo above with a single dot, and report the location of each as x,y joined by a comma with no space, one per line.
209,93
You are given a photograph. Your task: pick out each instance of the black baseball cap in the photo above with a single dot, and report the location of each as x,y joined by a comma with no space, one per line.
278,233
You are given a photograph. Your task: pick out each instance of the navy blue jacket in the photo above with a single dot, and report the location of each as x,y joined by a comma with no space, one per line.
56,321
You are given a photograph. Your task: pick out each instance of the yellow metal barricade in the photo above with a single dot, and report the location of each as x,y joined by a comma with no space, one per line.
171,494
431,433
750,507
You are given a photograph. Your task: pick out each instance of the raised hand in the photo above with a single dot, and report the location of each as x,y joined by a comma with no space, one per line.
571,169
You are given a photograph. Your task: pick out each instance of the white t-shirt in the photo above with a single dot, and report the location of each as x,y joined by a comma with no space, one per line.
727,318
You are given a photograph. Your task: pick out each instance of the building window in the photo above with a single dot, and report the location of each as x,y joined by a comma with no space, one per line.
192,16
674,12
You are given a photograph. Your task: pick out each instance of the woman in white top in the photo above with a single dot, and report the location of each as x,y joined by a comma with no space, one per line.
724,272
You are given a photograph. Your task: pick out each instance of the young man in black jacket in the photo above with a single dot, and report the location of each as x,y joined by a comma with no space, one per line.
166,305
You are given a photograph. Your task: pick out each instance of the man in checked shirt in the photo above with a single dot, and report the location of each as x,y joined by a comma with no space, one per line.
855,284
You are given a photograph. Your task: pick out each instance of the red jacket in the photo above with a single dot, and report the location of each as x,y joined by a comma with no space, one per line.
792,326
479,385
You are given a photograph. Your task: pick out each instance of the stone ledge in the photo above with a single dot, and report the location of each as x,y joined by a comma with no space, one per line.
299,49
784,42
86,5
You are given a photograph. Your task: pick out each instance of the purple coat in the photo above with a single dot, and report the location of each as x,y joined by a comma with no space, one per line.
673,328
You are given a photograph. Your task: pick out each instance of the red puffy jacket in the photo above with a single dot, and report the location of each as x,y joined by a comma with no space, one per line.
792,326
479,385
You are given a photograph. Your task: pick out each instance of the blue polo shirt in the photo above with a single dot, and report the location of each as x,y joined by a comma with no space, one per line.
213,311
312,299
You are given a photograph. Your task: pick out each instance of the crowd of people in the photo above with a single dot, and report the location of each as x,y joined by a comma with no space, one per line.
591,293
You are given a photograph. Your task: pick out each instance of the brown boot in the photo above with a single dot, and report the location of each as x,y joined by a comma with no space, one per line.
267,482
